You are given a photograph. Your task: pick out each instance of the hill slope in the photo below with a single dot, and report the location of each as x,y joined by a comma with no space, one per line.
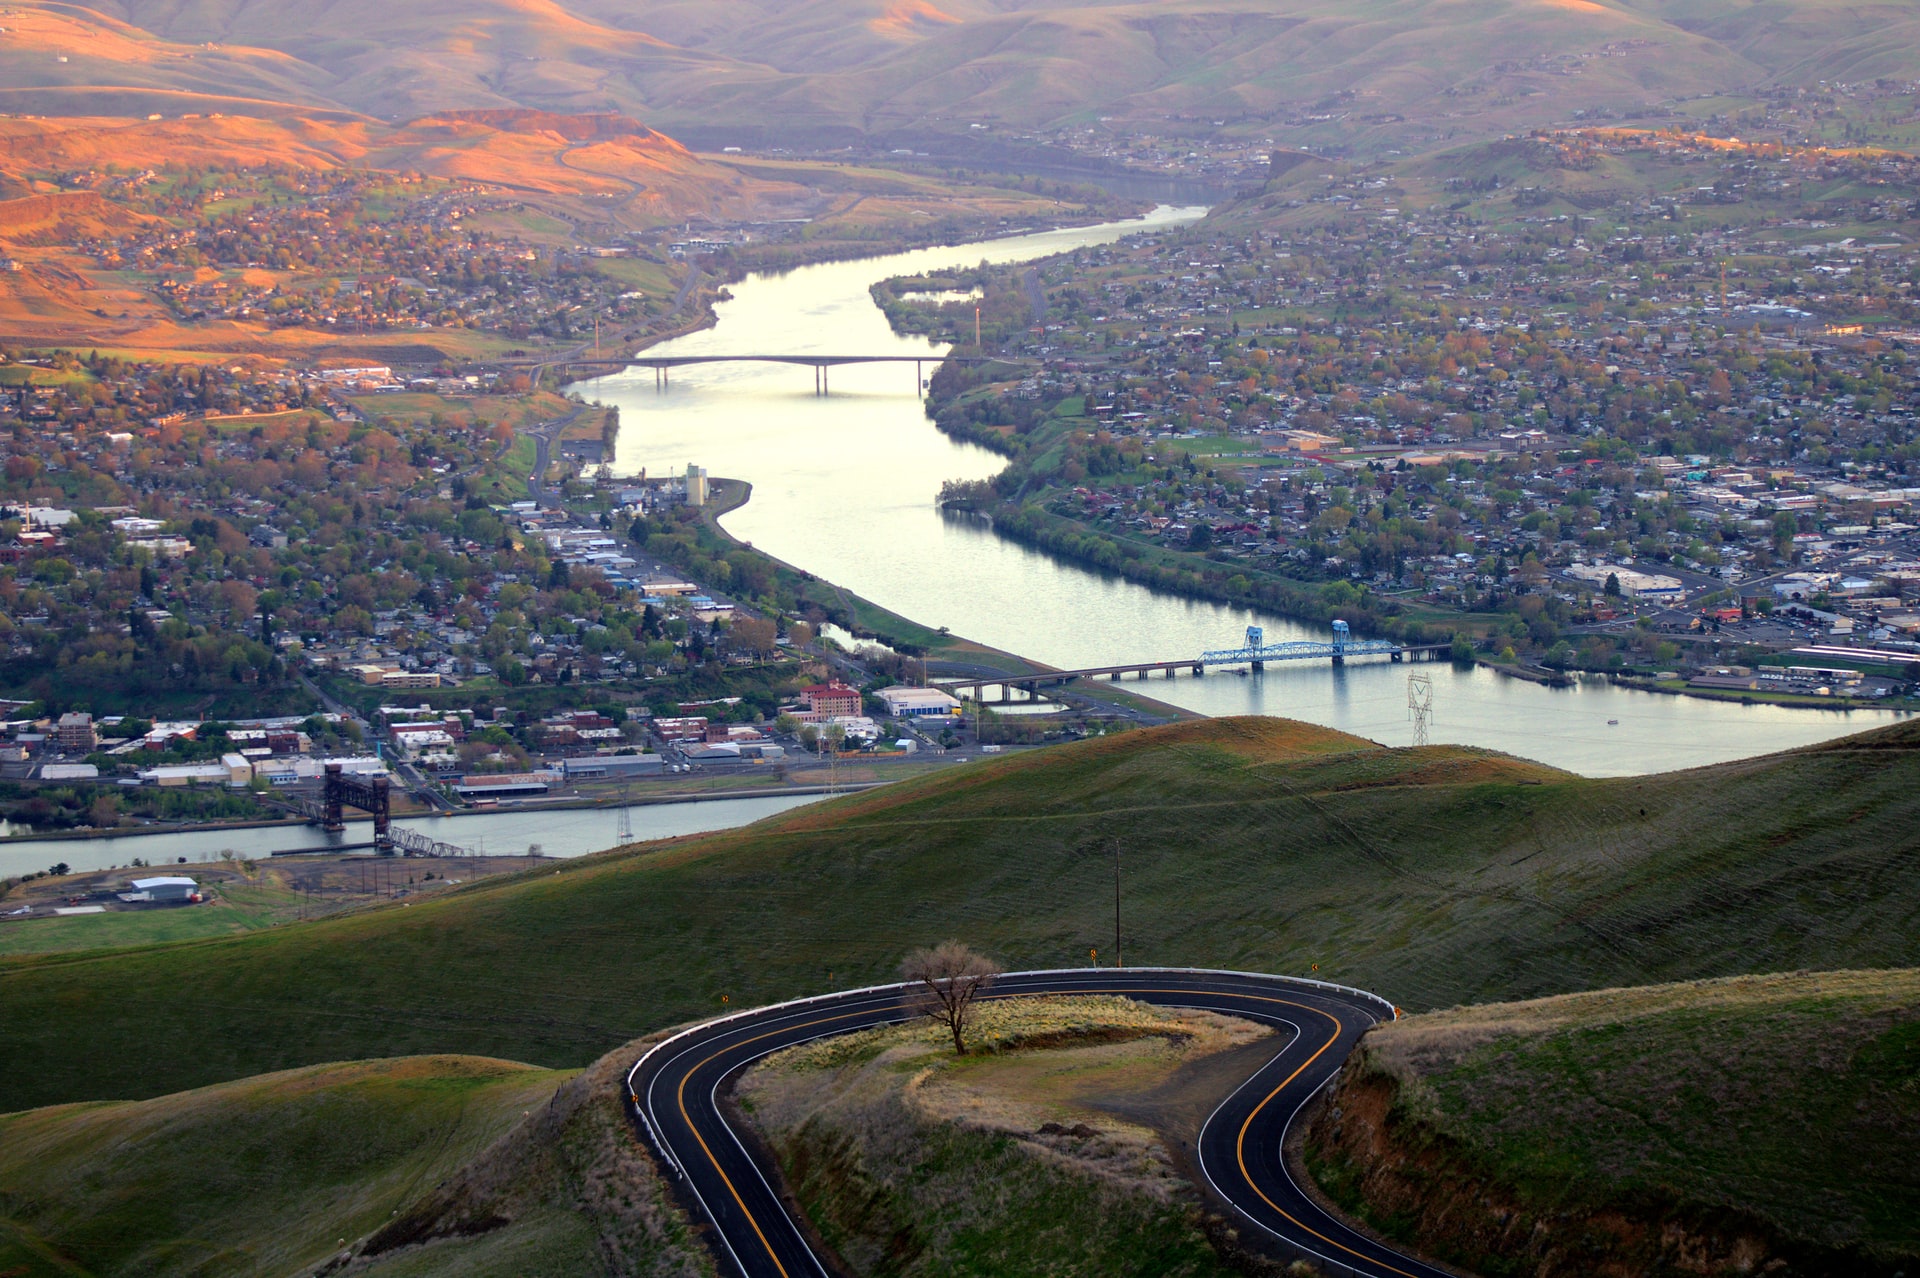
1338,71
1743,1125
259,1176
1435,876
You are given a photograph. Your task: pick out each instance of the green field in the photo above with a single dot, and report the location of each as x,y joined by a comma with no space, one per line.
241,908
1436,876
1783,1110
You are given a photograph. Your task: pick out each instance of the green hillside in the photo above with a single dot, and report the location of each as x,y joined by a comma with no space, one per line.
1436,876
267,1175
1757,1125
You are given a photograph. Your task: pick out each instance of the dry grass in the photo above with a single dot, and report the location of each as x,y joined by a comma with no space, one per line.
916,1161
998,1025
1038,1069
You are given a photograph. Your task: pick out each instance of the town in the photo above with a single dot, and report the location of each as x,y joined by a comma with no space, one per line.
1669,437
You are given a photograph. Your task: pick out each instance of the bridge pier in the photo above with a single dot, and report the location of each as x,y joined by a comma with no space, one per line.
659,377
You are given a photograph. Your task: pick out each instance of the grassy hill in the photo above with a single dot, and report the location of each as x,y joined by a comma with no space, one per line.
261,1176
1064,1106
1332,72
1436,876
1753,1125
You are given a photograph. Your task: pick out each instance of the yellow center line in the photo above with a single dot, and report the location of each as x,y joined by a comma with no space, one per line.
1239,1144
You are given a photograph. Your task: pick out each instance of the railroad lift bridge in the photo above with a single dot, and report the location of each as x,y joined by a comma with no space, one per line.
374,796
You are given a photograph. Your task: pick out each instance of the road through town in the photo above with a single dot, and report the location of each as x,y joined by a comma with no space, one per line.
675,1090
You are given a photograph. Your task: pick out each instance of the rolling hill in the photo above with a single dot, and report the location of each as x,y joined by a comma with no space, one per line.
1756,1124
265,1175
1436,876
1372,74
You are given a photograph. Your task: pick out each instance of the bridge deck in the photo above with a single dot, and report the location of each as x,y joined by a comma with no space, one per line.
1198,666
813,361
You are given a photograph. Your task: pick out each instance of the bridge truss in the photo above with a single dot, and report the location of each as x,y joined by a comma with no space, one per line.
1256,652
369,794
373,795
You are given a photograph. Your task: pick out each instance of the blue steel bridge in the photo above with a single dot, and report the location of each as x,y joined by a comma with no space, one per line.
1254,654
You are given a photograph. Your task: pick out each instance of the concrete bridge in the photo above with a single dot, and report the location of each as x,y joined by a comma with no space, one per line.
662,365
1255,654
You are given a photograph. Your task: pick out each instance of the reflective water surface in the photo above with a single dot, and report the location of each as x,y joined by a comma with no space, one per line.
844,487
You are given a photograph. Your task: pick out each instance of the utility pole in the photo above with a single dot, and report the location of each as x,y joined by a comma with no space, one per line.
1420,704
1117,960
976,330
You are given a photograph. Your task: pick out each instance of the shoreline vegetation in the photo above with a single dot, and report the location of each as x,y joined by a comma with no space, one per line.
800,590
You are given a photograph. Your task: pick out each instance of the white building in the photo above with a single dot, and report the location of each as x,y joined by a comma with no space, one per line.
915,703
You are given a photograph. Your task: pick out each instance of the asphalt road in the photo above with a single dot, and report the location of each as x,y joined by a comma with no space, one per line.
674,1102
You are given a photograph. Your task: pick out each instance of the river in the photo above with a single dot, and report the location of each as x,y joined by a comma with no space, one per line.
844,487
559,832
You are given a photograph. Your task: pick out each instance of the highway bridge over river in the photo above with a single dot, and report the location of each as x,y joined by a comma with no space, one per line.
662,365
1254,655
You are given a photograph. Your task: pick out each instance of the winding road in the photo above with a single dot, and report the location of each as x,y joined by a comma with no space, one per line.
673,1098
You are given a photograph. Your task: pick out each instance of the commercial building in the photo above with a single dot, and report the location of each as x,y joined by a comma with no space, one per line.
915,703
234,770
1633,584
691,727
614,766
390,677
830,700
506,785
75,733
175,889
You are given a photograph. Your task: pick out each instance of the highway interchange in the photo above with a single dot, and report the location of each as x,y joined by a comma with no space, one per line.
674,1099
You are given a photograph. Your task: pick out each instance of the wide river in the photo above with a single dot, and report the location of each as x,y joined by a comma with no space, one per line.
844,487
556,831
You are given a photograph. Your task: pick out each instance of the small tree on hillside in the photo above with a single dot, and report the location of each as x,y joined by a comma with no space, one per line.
944,982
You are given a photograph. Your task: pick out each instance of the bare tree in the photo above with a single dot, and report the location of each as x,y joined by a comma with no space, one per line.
945,981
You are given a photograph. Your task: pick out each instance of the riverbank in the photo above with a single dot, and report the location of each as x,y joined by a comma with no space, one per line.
865,619
844,491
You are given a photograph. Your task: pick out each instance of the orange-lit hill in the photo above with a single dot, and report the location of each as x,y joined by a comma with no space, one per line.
635,175
37,219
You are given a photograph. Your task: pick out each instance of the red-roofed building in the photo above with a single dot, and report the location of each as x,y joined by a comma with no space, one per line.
830,700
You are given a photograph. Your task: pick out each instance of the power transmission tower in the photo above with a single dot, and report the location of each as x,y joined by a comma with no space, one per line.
624,835
1420,705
